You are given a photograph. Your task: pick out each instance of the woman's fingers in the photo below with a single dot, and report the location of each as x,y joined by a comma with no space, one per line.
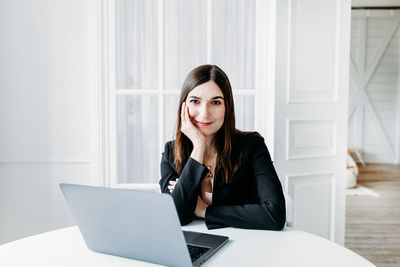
185,122
172,185
187,115
188,120
183,112
171,188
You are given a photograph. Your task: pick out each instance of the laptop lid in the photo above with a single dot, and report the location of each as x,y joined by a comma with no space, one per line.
131,223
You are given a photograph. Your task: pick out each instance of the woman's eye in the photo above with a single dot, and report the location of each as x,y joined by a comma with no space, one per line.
194,101
216,102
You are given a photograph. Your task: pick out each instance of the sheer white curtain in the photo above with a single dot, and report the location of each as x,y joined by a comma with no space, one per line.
157,43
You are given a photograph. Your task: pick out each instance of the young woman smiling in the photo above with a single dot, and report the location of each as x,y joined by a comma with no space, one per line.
214,171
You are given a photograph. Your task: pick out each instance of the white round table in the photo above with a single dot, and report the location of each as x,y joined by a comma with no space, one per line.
65,247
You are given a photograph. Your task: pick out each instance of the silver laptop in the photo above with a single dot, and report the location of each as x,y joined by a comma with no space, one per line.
138,225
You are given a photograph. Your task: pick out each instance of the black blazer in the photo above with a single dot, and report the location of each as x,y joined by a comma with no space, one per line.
254,199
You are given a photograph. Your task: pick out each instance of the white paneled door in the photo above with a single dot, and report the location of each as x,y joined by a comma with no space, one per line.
312,68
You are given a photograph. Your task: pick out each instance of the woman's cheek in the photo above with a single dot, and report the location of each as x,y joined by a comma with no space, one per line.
221,113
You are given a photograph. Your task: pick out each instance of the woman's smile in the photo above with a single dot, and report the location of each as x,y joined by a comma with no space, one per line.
203,124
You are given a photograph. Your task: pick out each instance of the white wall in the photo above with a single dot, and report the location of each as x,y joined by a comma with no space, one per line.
374,123
44,111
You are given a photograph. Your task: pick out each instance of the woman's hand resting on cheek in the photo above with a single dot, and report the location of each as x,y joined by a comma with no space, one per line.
194,134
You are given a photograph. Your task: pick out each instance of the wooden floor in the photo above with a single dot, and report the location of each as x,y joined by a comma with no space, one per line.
373,224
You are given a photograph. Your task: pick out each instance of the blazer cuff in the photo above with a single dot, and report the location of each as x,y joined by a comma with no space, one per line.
195,171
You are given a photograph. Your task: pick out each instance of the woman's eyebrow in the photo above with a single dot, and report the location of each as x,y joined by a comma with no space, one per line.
215,97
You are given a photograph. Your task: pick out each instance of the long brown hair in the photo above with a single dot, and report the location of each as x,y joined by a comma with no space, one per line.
226,164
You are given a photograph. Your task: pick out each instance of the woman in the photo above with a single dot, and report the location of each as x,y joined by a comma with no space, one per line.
214,171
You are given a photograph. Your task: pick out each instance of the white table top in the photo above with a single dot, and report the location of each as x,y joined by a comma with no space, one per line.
65,247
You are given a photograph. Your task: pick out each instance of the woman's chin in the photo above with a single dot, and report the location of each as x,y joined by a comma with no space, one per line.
207,133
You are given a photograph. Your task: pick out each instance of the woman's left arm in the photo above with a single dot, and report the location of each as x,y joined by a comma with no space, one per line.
269,213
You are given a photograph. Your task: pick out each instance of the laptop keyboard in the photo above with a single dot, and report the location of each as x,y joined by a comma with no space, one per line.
196,252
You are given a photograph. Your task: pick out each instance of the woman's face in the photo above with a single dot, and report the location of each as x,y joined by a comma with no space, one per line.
206,107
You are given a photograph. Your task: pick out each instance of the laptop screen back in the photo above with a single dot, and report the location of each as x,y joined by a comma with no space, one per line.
129,223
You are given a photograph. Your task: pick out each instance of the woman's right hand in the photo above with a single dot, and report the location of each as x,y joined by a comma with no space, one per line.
189,129
193,133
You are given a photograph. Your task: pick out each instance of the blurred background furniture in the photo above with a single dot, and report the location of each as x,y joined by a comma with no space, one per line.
352,171
357,152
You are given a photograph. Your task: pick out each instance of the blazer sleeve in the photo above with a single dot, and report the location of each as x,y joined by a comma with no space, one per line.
187,188
269,213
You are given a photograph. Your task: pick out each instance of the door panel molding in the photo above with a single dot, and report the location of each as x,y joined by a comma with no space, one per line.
304,84
311,138
303,189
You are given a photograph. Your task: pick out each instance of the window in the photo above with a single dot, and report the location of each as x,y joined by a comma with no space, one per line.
150,46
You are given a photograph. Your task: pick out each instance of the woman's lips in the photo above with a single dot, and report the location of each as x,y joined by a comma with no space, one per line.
203,123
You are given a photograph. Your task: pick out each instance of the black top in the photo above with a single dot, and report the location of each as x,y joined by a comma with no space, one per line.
254,199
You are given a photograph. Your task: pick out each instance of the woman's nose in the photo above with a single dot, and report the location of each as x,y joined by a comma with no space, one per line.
205,111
